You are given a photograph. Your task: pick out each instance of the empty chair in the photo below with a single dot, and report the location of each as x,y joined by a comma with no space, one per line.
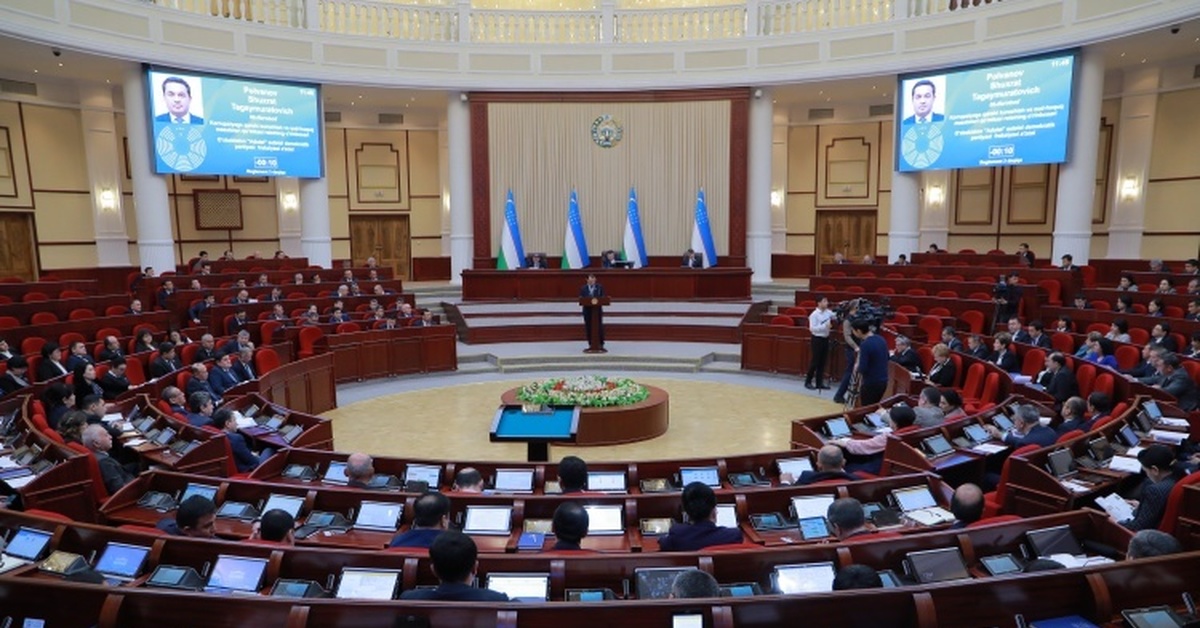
916,292
991,388
966,252
866,274
1062,341
7,322
925,354
115,310
1053,290
837,273
939,311
979,296
856,289
1085,375
267,330
1138,336
973,384
80,313
947,294
974,320
894,276
1033,362
308,341
71,294
1103,306
1097,327
1103,384
104,332
954,278
43,318
67,338
1068,436
30,297
32,345
925,276
907,309
932,326
778,319
266,360
885,290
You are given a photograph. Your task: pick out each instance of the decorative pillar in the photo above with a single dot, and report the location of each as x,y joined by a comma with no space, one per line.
904,229
1135,137
1077,177
287,207
315,242
104,176
935,209
462,239
758,186
156,244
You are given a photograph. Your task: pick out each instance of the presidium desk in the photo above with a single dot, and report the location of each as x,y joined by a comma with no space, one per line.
674,284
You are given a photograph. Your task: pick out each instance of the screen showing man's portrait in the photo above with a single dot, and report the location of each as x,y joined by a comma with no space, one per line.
924,100
178,98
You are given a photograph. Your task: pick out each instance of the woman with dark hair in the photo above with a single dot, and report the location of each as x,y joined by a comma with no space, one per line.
1124,304
1165,286
71,426
1155,308
58,398
1127,283
84,377
1118,331
178,338
1100,351
145,342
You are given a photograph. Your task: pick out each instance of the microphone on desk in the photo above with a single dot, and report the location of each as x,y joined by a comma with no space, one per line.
329,582
1020,619
351,513
625,588
205,568
92,558
1190,603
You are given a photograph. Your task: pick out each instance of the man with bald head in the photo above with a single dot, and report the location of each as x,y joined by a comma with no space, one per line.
111,350
831,463
967,506
360,468
468,480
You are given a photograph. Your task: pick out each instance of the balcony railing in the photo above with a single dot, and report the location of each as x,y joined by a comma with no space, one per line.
458,20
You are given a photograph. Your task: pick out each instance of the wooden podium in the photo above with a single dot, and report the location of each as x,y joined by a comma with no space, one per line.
592,307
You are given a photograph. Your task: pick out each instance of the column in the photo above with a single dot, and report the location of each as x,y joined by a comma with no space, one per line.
904,229
100,149
462,239
779,186
1135,136
151,204
758,186
935,209
315,242
1077,177
287,207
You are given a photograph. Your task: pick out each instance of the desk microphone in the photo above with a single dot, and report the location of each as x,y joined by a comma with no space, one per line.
329,582
204,570
1190,603
1020,619
625,588
92,558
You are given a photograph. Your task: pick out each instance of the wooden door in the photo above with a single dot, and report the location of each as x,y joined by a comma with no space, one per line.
16,246
850,231
386,238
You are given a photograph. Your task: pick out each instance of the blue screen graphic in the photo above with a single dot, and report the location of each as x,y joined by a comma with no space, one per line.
1008,114
203,124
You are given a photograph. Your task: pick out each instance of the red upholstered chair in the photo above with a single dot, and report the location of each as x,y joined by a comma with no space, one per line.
1103,306
991,521
1085,376
349,328
266,360
48,514
954,278
925,354
946,294
1139,336
1171,514
54,436
267,330
932,326
1138,308
137,329
31,297
973,384
80,313
1068,436
940,311
967,252
925,276
188,352
1127,356
71,294
115,310
7,322
134,371
1053,290
996,502
885,290
1104,421
104,332
856,290
974,320
907,309
916,292
32,345
979,296
1104,383
991,388
894,276
780,319
900,318
837,273
866,274
1062,342
1102,328
959,374
67,338
182,378
98,490
1033,362
43,318
308,340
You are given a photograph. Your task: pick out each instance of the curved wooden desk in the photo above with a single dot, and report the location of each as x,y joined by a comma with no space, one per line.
614,426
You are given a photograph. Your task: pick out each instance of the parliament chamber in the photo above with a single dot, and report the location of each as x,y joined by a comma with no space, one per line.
408,235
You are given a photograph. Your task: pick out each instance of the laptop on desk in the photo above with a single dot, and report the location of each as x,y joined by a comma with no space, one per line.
26,546
606,481
936,446
605,520
515,481
379,516
121,562
919,504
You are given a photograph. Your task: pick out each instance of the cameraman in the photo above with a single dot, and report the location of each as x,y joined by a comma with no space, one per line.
847,312
1007,296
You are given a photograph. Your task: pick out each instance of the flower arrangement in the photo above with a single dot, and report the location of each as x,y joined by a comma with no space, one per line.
588,391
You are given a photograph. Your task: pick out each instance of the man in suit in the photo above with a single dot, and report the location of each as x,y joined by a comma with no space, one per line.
831,465
570,526
967,506
199,382
176,399
196,517
1058,380
243,367
243,457
1026,255
905,356
201,308
1007,296
692,260
1074,414
426,320
977,347
929,408
112,349
455,561
923,95
239,322
5,350
592,289
360,468
847,519
872,363
1036,335
114,383
51,365
77,354
1158,465
943,371
950,339
164,294
1177,383
1027,430
1001,356
177,95
207,349
431,517
1161,336
200,409
222,377
1017,331
16,377
236,344
99,442
1068,262
700,504
166,362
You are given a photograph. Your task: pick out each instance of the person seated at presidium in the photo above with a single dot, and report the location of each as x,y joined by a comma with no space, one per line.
692,259
608,259
538,261
700,505
431,517
454,559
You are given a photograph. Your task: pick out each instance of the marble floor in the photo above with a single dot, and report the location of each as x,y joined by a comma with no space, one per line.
448,417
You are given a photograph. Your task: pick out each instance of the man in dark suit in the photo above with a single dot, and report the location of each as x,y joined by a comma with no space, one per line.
1160,335
1017,331
243,457
177,94
360,468
164,294
977,347
17,375
207,349
236,344
222,377
950,339
51,365
700,504
99,442
77,354
166,362
431,517
1036,335
239,322
967,506
200,409
112,349
905,356
1007,296
114,383
243,366
455,561
1178,384
692,260
570,526
831,463
1158,465
197,312
1027,430
592,289
176,399
1074,414
1058,380
923,95
199,382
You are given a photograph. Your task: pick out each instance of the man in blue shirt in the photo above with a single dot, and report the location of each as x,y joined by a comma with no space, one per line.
872,363
431,517
700,504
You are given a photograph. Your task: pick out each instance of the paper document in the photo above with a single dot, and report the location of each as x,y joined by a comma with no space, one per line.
1074,562
18,482
134,442
7,463
1132,452
1118,508
1127,464
243,422
989,448
1076,487
930,516
1168,437
1174,422
115,416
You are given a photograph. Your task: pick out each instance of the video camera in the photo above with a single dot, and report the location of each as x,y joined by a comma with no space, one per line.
872,313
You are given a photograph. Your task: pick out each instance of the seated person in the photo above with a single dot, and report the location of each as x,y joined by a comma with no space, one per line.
431,517
17,376
537,260
1127,283
857,577
1057,379
113,473
1149,543
1178,383
1027,430
276,526
468,480
360,468
454,559
951,405
929,408
906,356
199,381
196,517
176,400
166,362
1158,465
847,519
1074,414
222,378
700,504
200,409
869,451
966,505
570,526
1001,356
693,584
950,339
608,259
692,259
114,382
1035,332
831,464
943,371
243,458
572,475
977,348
